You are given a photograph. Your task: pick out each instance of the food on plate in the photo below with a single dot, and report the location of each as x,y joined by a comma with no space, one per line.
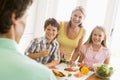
84,69
80,67
75,68
69,69
58,73
78,75
103,71
69,74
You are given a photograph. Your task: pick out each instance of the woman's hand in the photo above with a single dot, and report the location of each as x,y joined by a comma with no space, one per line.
62,53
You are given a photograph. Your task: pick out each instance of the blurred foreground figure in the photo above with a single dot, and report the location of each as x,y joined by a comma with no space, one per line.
14,65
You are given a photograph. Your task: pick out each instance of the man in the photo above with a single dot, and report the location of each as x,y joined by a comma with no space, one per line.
14,65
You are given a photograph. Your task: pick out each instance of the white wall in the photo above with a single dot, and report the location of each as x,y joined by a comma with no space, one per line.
45,9
115,37
65,8
30,27
95,15
110,18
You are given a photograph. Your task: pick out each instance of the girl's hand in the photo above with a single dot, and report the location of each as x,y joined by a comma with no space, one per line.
91,68
83,64
72,63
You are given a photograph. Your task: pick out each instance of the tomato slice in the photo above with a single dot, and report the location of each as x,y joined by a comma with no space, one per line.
69,69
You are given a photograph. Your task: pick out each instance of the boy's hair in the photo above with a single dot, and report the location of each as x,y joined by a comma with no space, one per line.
90,37
52,22
7,8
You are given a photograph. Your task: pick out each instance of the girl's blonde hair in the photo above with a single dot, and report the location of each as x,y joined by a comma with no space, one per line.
89,41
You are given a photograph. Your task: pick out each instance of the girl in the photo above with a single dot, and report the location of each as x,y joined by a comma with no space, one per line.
94,51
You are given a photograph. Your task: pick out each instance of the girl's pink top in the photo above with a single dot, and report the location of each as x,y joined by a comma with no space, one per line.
93,57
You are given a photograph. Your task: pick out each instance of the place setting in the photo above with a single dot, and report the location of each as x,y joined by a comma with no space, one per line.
64,71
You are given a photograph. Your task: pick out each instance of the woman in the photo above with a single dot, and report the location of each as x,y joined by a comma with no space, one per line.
71,33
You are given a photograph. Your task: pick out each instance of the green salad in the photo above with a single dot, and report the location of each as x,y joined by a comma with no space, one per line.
103,71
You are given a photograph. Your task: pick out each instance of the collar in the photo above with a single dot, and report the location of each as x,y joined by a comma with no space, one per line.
45,41
99,49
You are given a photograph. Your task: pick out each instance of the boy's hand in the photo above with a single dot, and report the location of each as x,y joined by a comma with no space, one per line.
44,53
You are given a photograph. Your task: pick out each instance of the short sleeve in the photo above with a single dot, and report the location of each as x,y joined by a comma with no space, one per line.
31,47
83,49
108,53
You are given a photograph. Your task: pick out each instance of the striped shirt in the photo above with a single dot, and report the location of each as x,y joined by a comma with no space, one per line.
40,44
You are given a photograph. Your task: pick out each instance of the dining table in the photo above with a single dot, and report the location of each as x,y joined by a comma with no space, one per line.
89,76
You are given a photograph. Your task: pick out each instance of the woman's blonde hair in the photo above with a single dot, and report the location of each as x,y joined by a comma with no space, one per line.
89,41
81,9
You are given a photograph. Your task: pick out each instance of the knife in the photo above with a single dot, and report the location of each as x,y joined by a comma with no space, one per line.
63,60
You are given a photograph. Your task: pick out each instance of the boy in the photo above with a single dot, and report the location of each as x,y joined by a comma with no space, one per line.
45,50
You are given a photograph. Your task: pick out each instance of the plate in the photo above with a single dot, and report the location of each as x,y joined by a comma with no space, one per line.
58,73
